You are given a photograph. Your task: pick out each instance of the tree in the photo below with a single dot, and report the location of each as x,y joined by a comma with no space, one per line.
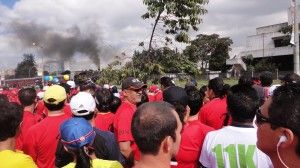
27,67
178,16
209,50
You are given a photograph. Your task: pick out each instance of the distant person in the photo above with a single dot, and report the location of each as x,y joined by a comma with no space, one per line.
41,139
165,82
235,145
77,136
248,80
266,79
193,132
104,102
28,99
156,130
214,113
290,78
278,126
132,91
11,116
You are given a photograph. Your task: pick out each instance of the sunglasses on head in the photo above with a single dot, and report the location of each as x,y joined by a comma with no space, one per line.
137,90
260,119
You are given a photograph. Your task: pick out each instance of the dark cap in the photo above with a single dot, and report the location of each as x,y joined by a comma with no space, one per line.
132,83
175,94
291,78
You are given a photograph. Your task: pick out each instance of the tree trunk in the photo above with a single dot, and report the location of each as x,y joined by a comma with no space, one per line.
152,34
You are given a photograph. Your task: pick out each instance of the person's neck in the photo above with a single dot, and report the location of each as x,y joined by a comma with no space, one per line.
193,118
8,144
289,158
242,124
56,113
29,108
130,102
150,161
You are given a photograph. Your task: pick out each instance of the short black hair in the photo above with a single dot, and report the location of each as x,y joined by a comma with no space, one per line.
27,96
178,97
266,78
245,80
66,87
11,115
285,109
3,98
55,107
104,98
242,103
166,81
219,88
152,122
195,100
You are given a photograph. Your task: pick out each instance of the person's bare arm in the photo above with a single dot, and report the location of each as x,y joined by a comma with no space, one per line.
125,149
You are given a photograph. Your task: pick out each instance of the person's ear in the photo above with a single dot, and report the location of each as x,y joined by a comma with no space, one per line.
186,113
167,144
286,138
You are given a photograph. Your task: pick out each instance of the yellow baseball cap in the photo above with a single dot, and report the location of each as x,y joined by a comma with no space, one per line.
55,94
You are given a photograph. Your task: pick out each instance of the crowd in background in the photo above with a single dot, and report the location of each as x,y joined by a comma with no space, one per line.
251,124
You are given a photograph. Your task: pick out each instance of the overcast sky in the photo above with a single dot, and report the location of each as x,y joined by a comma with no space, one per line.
118,23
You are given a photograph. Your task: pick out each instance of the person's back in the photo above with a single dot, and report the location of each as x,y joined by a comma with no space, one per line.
232,147
27,98
235,145
214,113
41,140
193,135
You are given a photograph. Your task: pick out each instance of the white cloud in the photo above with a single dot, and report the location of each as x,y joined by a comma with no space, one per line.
120,26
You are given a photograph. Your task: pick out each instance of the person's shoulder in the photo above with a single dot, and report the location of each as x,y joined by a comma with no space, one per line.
70,165
198,125
18,159
106,163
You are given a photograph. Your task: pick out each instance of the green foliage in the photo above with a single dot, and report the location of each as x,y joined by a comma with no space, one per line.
178,16
27,67
286,30
264,65
209,49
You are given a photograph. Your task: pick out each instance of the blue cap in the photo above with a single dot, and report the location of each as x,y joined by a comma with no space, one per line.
76,132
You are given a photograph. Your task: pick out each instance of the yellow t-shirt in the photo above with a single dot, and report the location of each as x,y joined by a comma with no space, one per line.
9,159
99,163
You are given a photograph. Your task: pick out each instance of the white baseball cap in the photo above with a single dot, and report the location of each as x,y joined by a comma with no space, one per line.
83,103
71,84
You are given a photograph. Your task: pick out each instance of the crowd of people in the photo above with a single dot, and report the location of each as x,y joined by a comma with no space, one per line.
251,124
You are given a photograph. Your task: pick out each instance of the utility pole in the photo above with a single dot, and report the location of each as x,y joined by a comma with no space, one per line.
296,38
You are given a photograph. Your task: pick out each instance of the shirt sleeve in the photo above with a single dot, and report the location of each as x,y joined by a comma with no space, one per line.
202,116
204,157
124,127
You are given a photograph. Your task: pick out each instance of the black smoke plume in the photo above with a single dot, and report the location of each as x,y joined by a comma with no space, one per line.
63,44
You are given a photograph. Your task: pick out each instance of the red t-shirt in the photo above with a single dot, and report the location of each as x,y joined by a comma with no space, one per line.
192,138
159,96
213,113
41,140
29,120
104,121
122,125
151,97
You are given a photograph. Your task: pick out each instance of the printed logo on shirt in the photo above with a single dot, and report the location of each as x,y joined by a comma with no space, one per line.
238,154
122,132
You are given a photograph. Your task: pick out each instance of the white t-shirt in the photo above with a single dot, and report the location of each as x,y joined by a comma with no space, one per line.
233,147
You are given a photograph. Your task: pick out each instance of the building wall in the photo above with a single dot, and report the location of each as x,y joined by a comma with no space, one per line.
262,44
